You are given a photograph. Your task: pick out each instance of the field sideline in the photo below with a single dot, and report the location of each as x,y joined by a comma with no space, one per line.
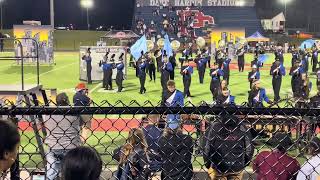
65,75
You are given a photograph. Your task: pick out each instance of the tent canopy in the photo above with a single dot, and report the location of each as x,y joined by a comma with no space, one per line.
116,34
257,37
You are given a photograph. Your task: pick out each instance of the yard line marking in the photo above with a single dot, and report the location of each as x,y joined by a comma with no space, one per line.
96,87
52,70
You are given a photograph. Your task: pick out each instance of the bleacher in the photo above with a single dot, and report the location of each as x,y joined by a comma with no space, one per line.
224,17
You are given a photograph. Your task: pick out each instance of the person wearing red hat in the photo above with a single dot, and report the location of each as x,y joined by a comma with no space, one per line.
81,98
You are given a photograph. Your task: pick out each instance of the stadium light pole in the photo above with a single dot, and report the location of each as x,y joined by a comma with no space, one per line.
1,6
285,9
52,13
87,4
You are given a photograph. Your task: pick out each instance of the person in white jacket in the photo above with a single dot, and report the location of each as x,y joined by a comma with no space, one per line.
311,169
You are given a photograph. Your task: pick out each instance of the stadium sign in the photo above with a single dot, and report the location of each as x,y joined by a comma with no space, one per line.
192,2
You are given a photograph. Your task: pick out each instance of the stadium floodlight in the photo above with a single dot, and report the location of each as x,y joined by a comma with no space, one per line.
88,4
240,3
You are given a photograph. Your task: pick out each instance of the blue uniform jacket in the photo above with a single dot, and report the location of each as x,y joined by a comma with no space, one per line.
142,68
282,70
226,65
120,66
202,62
168,66
177,101
262,97
189,69
216,76
107,66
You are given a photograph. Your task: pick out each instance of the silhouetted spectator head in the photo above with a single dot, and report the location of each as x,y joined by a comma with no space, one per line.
62,99
9,144
315,145
281,141
82,163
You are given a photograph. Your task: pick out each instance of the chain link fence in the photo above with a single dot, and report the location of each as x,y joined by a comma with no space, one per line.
146,141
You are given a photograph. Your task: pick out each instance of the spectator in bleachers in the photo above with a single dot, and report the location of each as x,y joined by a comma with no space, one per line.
132,157
9,146
82,163
176,151
63,135
276,164
228,148
152,134
311,169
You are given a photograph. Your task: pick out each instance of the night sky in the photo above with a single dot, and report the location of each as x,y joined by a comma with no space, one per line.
118,13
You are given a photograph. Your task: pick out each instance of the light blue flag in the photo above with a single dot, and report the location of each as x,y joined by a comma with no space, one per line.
263,58
138,46
167,46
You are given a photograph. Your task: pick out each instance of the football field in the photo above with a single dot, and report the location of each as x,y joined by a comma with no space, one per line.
64,76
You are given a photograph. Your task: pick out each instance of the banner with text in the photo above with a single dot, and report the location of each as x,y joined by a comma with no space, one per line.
195,3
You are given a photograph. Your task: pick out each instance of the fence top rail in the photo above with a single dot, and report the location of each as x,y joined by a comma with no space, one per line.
201,110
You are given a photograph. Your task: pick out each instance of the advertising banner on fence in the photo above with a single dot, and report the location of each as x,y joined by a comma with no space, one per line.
43,35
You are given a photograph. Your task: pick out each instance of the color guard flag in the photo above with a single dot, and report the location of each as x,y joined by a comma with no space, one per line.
167,46
138,46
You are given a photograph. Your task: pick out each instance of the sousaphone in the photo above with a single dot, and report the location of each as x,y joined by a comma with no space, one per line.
160,43
175,44
150,45
201,42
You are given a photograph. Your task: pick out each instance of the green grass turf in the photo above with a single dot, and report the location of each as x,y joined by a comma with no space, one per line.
105,143
65,75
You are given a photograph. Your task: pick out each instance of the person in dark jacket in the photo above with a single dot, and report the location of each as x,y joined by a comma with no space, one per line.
176,151
228,149
201,65
119,77
152,135
257,95
186,72
165,69
226,69
296,80
87,58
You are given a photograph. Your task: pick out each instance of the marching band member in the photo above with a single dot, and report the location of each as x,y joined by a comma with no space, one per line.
165,69
172,60
240,54
277,71
225,98
201,65
253,75
226,69
107,68
314,60
215,74
172,98
279,54
220,56
207,55
142,75
318,77
257,95
158,56
295,57
87,58
186,72
256,62
103,64
295,73
306,86
152,67
305,61
119,77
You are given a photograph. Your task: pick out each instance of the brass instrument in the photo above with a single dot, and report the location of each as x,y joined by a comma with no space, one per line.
175,44
201,42
150,45
160,43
